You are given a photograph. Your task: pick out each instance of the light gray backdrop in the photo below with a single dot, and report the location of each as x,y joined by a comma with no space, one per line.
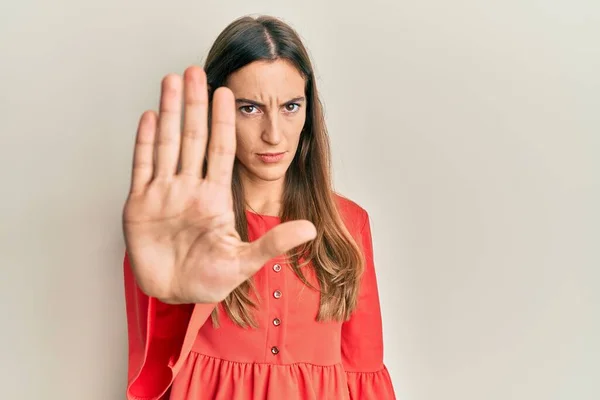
468,129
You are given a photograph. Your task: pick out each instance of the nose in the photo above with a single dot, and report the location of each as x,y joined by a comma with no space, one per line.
272,130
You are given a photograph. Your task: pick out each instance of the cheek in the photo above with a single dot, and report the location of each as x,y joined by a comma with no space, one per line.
301,120
295,126
245,137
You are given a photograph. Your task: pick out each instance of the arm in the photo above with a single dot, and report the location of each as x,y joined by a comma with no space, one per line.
160,336
362,339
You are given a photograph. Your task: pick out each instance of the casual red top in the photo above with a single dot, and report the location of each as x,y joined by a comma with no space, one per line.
176,353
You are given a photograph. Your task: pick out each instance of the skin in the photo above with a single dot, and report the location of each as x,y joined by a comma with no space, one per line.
270,116
178,224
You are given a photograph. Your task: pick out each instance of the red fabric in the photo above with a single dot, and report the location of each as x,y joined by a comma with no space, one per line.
176,353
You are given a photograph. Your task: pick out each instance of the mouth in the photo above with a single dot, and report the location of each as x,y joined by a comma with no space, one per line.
270,157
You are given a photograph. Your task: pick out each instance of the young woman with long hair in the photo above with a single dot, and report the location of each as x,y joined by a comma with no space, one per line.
246,275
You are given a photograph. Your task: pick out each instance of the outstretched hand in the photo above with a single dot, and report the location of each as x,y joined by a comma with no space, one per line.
179,227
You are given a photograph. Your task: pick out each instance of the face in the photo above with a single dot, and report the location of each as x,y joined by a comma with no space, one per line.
271,110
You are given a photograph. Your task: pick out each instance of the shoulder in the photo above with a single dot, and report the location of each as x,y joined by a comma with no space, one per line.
353,214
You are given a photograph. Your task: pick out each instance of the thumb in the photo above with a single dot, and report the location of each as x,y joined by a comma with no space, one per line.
277,241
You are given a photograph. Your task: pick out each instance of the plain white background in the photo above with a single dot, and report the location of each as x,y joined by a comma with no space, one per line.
469,130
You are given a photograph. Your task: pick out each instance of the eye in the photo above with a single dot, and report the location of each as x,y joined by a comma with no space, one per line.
290,107
248,109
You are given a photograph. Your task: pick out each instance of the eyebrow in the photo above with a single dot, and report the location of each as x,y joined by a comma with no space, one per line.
256,103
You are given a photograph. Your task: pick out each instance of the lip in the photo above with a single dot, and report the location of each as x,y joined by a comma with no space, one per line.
271,157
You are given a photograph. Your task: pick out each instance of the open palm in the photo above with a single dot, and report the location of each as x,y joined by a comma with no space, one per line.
179,227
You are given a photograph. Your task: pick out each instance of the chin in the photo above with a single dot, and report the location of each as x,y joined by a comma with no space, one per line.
269,174
260,171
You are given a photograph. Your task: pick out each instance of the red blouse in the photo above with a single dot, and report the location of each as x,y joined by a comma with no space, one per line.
175,353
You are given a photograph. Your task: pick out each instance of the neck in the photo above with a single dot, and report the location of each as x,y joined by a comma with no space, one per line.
263,197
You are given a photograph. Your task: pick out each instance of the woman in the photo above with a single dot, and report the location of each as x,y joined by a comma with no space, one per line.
246,275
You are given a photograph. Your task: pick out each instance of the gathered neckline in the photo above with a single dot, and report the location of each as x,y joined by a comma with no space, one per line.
262,215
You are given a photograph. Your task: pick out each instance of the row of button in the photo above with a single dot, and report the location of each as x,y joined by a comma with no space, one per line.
277,294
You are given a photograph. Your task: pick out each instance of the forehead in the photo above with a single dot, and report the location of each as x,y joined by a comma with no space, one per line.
267,78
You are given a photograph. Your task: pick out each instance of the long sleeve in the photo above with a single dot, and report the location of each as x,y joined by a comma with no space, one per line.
362,338
160,336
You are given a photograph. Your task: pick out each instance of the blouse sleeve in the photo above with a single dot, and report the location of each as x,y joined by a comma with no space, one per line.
159,336
362,339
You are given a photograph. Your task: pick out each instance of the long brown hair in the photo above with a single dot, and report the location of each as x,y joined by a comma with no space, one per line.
308,191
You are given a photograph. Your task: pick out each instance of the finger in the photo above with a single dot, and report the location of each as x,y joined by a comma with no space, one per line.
195,122
221,148
276,242
168,140
143,154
